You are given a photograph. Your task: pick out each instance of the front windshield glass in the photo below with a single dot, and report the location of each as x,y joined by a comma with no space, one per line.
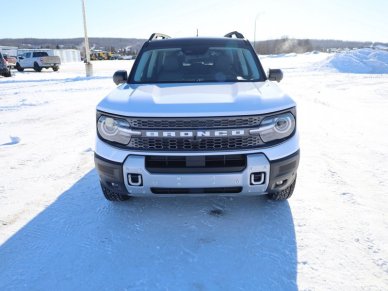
196,64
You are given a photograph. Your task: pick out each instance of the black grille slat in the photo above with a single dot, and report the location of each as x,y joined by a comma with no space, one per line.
208,144
219,190
192,123
207,164
207,134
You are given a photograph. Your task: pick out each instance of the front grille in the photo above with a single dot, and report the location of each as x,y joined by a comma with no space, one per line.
195,164
219,190
203,133
191,123
205,144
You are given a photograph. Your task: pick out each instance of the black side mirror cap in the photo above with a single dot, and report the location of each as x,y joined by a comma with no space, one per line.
120,77
275,75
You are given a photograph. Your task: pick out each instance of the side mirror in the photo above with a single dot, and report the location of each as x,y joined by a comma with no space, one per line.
275,75
21,58
120,77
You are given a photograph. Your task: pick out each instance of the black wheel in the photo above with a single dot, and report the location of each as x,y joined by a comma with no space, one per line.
283,194
113,196
19,68
37,68
7,73
55,68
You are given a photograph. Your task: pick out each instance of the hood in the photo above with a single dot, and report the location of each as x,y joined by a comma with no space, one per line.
198,99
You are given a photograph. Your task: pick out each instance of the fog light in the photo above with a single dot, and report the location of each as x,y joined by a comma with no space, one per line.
280,183
135,180
114,185
257,178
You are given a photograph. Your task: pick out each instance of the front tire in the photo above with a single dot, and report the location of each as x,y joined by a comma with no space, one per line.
113,196
19,67
37,68
283,194
7,73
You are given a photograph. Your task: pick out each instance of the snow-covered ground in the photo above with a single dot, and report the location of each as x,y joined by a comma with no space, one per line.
57,232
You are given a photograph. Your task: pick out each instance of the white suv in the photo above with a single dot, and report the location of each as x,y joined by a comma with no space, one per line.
197,116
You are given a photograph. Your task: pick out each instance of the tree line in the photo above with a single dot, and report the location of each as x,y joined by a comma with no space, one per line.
273,46
290,45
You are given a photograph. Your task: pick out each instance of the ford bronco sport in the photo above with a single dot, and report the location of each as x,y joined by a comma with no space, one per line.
197,116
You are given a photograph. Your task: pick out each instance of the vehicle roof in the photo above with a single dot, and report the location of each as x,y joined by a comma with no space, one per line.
188,41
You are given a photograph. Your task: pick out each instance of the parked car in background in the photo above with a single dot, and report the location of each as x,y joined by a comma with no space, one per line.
99,55
4,69
128,57
11,61
116,57
37,60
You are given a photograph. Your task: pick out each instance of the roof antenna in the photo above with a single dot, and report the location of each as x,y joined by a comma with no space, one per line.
197,32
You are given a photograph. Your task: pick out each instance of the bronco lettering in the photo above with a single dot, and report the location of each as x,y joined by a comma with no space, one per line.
192,134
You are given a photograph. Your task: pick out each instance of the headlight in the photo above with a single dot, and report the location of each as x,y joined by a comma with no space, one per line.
115,129
276,127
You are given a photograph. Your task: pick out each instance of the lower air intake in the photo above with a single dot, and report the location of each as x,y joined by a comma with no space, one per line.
219,190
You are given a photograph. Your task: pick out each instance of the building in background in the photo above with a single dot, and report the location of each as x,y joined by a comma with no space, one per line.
68,55
9,50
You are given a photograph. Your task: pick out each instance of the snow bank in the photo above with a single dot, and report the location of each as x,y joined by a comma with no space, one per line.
292,63
362,61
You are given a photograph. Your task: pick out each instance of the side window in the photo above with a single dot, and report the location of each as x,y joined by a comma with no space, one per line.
28,55
39,54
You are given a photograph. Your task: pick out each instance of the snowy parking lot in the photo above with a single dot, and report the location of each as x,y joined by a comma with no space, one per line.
57,232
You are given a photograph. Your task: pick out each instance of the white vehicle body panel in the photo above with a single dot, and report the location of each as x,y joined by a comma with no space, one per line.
255,163
196,99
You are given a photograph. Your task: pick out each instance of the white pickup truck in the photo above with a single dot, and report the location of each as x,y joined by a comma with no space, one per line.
37,60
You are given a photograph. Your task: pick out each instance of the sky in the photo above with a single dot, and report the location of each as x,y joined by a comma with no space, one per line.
358,20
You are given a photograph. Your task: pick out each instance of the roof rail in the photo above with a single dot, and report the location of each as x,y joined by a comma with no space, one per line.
235,33
159,35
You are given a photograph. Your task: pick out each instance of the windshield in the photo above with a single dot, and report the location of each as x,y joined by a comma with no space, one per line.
196,64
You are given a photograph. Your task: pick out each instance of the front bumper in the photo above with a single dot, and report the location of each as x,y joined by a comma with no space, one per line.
278,175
